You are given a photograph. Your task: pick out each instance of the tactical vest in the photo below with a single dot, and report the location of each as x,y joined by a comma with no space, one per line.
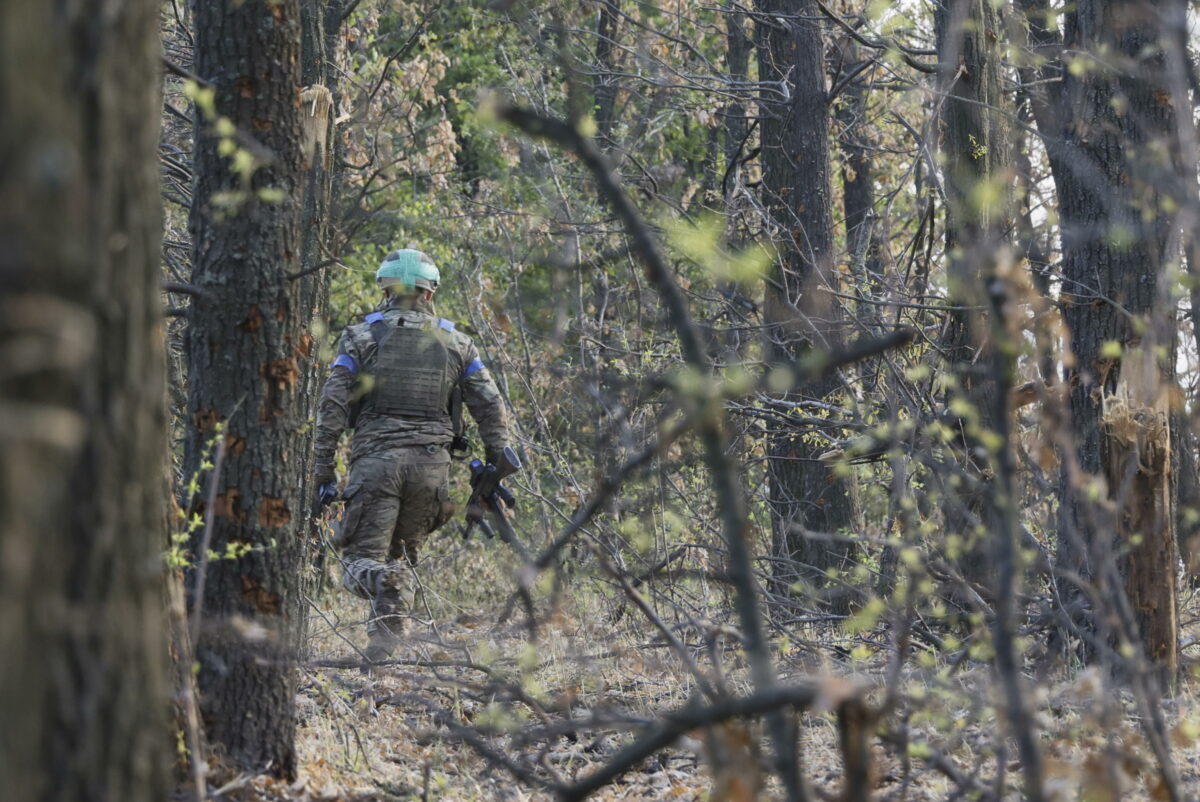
412,372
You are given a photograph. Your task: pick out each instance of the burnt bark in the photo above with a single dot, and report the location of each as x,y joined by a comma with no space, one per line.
806,496
83,681
248,351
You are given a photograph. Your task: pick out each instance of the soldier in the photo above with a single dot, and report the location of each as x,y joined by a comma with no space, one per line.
410,371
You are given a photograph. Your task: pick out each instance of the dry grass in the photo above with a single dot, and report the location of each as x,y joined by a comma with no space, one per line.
389,734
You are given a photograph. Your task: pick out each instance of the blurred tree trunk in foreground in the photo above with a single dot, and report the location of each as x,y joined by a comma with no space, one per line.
247,353
83,681
807,499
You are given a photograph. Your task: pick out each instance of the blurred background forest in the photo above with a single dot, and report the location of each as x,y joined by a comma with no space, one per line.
850,349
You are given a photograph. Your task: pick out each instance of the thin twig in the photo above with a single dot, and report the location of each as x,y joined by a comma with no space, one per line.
206,541
689,718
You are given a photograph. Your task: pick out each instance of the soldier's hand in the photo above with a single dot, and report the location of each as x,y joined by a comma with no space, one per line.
327,493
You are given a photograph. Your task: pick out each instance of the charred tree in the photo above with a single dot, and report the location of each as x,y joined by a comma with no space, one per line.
247,354
83,682
810,503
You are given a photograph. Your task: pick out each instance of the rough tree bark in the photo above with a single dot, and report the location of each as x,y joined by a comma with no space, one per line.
247,353
806,496
974,153
604,88
83,682
1107,130
865,239
738,49
321,21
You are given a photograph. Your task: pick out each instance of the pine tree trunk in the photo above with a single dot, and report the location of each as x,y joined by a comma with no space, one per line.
807,499
247,353
83,679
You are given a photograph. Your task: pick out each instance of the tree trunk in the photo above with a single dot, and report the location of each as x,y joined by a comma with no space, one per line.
83,680
248,352
1107,133
1187,493
974,149
604,88
867,231
320,23
807,498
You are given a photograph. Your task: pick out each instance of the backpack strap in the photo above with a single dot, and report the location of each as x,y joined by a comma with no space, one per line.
379,326
379,330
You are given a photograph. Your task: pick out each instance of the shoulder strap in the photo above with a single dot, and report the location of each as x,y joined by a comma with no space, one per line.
379,330
380,327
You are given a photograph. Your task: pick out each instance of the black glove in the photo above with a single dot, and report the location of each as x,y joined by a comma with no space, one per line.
327,493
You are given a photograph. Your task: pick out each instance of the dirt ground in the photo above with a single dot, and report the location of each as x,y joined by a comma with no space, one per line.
560,706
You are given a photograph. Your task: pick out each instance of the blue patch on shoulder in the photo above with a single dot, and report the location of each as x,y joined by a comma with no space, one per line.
444,324
475,366
374,317
346,361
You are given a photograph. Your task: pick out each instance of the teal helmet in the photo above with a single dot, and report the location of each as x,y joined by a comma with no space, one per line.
408,269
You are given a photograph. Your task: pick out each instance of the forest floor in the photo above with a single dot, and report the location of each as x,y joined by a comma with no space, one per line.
400,731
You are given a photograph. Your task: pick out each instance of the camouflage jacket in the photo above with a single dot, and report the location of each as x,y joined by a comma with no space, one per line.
375,434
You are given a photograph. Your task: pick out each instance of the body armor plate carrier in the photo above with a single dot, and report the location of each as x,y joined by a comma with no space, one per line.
411,371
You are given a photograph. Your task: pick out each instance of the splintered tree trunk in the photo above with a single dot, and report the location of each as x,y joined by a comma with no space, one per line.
806,496
320,23
83,682
1136,418
1107,132
974,152
247,353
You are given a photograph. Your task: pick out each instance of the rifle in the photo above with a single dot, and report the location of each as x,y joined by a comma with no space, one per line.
488,495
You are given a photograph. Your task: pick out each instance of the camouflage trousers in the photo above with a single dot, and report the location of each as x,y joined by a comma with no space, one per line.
393,501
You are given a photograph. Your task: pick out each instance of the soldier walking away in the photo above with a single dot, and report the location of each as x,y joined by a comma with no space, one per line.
399,381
